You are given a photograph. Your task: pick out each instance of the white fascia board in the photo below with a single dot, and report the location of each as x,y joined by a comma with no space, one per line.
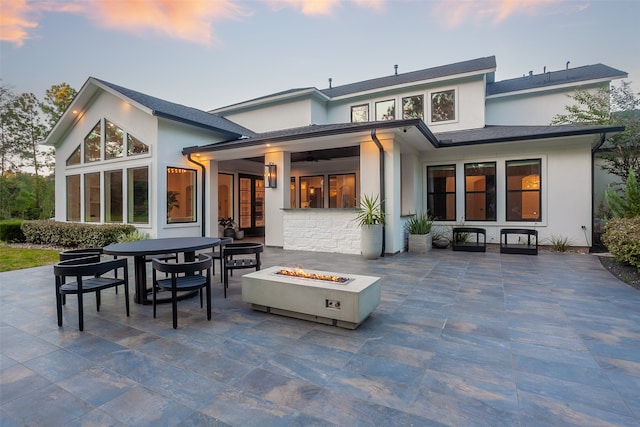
270,100
414,83
553,87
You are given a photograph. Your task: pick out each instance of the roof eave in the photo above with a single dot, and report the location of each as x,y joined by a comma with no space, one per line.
557,86
313,92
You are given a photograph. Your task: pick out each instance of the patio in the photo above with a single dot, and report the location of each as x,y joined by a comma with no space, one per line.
459,339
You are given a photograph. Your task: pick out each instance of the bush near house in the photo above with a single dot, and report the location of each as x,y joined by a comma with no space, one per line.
622,238
72,235
11,232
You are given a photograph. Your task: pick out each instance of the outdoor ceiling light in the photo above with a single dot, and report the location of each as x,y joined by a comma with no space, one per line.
270,176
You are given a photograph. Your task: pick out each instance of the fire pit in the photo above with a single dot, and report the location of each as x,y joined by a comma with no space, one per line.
344,300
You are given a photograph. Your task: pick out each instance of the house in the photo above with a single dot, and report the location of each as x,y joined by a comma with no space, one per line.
291,166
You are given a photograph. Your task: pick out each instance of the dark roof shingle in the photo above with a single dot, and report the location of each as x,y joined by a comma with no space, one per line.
181,113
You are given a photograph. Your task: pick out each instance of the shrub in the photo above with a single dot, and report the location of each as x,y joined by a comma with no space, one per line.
132,236
420,223
629,205
560,243
72,235
622,238
10,231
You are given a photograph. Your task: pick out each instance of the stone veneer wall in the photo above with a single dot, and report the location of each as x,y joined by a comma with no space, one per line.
321,230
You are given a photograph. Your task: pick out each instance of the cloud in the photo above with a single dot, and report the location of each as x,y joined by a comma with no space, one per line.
324,7
15,22
187,20
454,13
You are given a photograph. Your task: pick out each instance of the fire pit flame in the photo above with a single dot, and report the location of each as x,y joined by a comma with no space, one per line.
298,272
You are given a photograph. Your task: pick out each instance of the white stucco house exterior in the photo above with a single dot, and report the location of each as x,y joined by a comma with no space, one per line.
447,139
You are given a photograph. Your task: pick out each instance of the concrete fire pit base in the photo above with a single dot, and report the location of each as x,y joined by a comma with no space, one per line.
344,305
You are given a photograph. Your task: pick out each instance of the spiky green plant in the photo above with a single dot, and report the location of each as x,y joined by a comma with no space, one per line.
629,205
370,211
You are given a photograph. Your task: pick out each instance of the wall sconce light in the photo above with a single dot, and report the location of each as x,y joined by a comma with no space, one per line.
270,176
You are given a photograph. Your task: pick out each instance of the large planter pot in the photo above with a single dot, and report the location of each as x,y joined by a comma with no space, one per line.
420,243
371,241
229,232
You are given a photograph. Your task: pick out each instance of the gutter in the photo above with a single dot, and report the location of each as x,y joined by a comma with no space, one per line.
204,193
375,139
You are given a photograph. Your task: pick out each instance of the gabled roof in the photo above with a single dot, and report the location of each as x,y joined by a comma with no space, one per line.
487,64
181,113
597,72
156,106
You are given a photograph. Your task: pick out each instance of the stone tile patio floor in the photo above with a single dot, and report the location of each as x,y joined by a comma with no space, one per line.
459,339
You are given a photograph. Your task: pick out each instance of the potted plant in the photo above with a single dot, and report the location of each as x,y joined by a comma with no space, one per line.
419,228
229,226
370,218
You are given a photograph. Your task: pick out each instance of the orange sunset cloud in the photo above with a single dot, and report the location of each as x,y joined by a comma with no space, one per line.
457,12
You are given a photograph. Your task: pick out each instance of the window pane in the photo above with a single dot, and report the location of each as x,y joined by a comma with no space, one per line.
413,107
443,106
74,158
135,146
360,113
342,191
480,191
523,190
138,195
259,205
181,195
92,197
441,192
311,191
386,110
73,198
113,210
225,195
113,141
292,192
92,144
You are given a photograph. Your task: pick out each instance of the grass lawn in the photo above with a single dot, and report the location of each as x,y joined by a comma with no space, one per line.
16,258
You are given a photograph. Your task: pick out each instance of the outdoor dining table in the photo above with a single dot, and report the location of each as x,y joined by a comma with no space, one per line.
140,249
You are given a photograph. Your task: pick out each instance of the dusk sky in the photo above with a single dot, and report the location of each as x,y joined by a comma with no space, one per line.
208,54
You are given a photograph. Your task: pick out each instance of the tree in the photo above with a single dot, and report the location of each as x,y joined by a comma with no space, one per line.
56,100
610,106
8,160
629,205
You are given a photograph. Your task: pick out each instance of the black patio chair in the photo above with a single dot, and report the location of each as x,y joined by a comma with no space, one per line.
183,276
251,258
88,273
216,255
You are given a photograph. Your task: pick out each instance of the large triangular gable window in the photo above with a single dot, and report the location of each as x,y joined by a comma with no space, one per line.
114,138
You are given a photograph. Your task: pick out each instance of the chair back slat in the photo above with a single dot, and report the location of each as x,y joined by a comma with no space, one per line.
203,262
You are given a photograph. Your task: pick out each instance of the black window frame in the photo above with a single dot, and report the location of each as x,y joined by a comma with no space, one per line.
431,193
490,193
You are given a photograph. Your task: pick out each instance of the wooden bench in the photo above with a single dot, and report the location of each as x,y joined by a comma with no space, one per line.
462,242
251,258
527,248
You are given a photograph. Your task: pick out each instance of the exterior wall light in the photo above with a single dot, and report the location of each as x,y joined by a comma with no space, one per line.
270,176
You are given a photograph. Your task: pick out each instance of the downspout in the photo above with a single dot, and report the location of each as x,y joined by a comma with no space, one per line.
204,193
603,138
375,139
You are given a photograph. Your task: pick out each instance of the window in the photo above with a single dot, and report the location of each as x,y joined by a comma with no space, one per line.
441,192
181,195
113,141
138,195
480,191
312,191
413,107
443,106
292,192
360,113
135,146
113,209
225,195
74,158
342,190
523,190
386,110
73,198
92,197
92,144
